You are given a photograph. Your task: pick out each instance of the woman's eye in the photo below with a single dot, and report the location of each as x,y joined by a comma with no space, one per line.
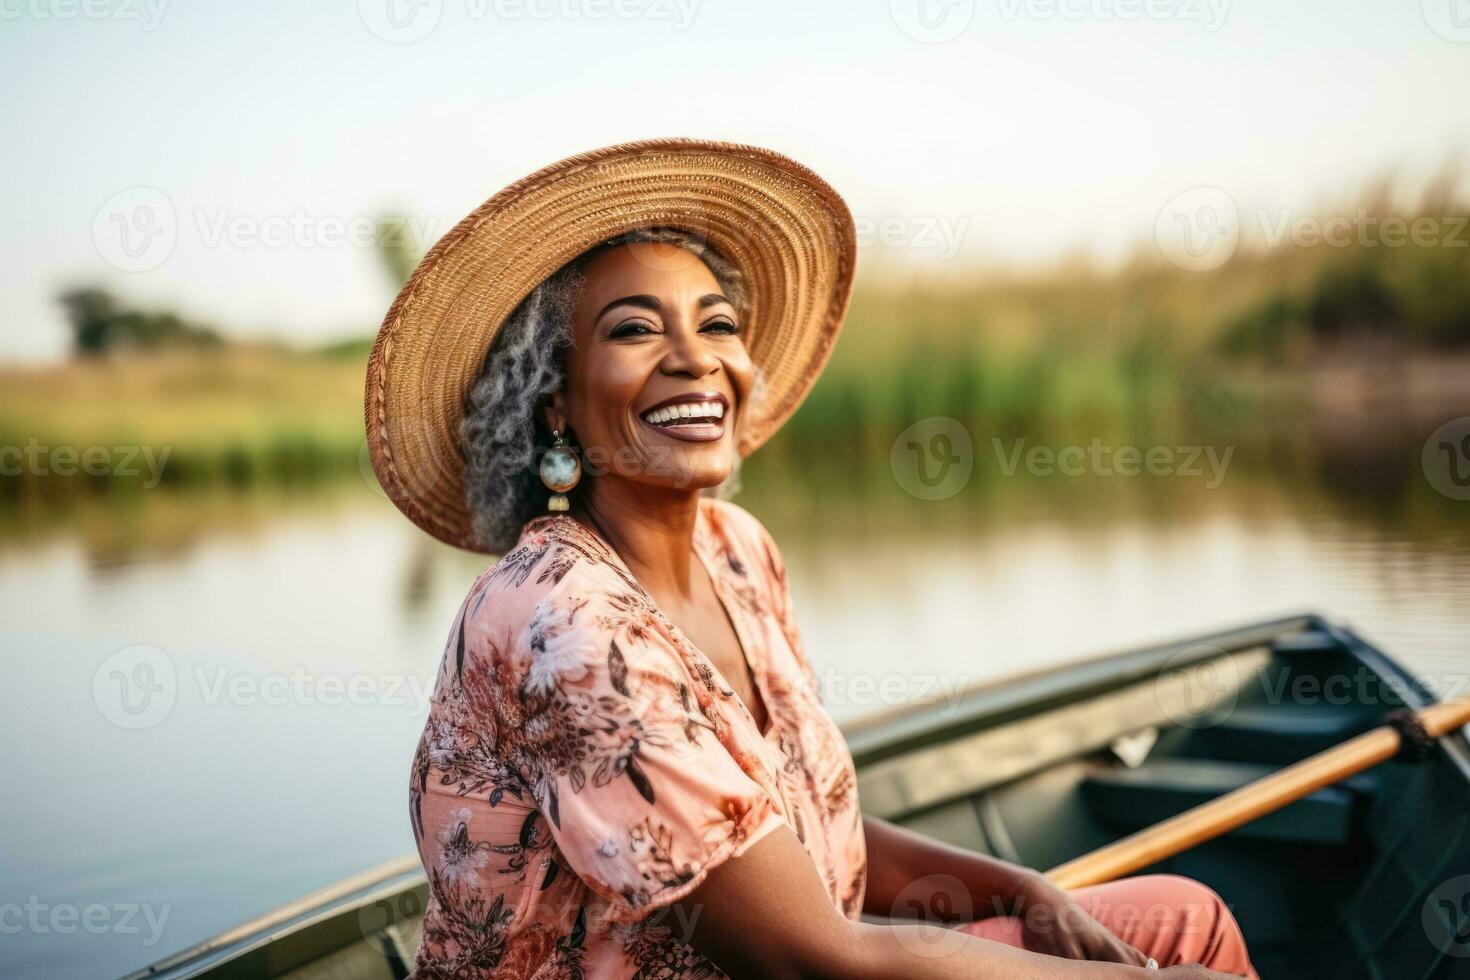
631,328
722,326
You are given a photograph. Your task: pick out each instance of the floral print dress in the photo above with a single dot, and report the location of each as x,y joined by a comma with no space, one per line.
584,766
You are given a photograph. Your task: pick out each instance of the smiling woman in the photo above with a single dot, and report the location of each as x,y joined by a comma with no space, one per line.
501,432
627,769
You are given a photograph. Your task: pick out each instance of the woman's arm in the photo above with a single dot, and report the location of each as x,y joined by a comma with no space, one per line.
1051,921
897,857
767,914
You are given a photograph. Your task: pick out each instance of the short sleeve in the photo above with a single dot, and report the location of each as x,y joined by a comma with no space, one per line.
639,790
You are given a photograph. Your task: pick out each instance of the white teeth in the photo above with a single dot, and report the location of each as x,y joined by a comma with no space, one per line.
685,410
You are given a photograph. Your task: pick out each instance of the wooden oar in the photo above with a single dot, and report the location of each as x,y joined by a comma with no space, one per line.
1241,806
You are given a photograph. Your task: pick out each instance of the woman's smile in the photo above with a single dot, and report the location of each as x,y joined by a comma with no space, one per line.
657,372
695,417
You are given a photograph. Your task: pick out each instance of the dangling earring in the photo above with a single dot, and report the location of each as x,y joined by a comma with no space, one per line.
560,471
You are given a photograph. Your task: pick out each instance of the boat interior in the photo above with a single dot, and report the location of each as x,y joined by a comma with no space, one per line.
1340,884
1046,767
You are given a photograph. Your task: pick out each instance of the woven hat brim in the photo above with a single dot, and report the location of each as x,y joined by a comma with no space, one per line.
791,236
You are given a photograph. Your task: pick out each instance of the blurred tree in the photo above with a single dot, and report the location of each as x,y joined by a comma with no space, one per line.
99,326
1354,296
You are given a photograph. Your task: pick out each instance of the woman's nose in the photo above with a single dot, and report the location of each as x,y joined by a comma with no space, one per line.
688,354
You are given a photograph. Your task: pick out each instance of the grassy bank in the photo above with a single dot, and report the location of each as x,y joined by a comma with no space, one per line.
233,417
1141,353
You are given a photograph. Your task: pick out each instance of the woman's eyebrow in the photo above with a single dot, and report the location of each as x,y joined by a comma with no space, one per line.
713,299
642,301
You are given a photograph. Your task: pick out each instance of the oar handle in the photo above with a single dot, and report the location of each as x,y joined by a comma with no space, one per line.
1266,795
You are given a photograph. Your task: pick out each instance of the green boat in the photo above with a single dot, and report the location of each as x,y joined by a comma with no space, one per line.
1369,878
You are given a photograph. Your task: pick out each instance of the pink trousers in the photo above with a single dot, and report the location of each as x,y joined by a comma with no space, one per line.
1169,917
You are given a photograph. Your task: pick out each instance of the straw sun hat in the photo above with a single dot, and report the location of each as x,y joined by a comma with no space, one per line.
790,235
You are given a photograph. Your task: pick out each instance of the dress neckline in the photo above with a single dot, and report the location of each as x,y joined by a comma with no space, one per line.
704,550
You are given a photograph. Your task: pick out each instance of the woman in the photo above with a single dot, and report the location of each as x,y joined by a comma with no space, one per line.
627,770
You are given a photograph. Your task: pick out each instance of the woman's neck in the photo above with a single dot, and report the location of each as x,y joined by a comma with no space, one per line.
651,529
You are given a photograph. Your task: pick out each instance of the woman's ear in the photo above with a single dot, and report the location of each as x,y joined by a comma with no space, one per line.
552,415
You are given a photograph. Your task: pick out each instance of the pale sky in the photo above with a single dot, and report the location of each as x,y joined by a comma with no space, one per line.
1004,130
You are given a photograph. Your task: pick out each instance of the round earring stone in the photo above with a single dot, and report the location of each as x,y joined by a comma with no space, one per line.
560,469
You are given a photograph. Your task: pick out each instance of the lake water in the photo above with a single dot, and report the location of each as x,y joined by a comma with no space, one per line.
212,707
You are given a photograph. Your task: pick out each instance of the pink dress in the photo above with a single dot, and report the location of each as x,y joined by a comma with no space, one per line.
584,765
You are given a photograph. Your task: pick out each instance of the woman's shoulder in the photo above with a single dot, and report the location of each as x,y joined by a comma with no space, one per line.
549,547
555,559
561,572
546,611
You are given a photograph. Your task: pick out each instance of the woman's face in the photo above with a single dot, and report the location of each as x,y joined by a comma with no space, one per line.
657,372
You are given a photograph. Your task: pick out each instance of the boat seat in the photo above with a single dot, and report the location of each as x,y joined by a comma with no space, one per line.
1132,799
1276,733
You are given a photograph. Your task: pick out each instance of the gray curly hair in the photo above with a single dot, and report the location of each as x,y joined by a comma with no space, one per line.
501,432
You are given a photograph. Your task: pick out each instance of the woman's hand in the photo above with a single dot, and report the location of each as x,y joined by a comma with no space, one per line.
1056,924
